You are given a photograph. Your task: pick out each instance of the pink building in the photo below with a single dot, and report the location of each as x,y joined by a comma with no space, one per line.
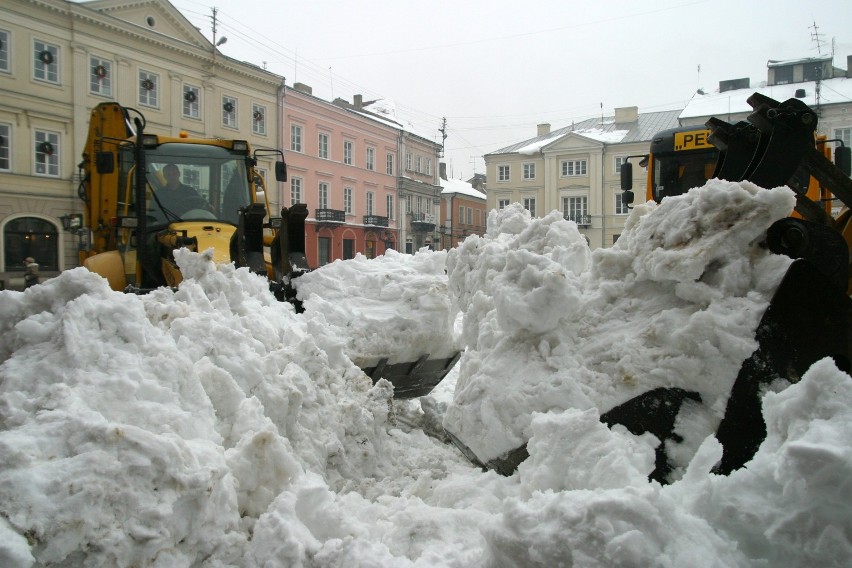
343,165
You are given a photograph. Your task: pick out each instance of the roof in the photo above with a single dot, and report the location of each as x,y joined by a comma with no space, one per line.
460,187
604,130
832,91
781,63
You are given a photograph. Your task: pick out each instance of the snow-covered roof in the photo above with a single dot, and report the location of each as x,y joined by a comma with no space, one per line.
461,187
604,130
384,111
785,62
832,91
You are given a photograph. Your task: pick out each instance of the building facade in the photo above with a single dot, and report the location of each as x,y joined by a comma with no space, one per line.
576,170
59,59
463,212
343,165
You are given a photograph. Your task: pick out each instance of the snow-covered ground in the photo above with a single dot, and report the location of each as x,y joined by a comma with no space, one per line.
213,426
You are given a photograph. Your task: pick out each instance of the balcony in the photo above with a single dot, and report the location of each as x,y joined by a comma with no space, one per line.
375,220
330,216
423,222
581,220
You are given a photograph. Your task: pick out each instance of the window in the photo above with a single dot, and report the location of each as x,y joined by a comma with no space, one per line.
529,205
370,249
620,206
347,200
31,236
576,209
461,214
419,205
408,203
428,166
295,190
469,216
100,77
369,203
419,164
502,203
476,214
149,91
5,146
229,111
783,75
389,164
323,195
408,161
619,161
503,173
371,158
322,145
573,167
191,101
4,52
348,249
347,152
529,171
258,119
295,137
844,134
47,153
389,203
45,62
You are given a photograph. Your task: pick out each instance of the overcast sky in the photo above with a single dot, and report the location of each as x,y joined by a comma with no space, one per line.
497,68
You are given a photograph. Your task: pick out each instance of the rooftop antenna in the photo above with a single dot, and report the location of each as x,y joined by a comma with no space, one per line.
443,131
816,37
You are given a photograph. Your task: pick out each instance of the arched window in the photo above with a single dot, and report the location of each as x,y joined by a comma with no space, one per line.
31,236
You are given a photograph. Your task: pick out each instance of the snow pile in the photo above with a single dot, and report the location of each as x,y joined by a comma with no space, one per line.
213,426
393,306
550,326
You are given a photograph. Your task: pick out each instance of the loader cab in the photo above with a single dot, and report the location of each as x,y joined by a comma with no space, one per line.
680,159
189,182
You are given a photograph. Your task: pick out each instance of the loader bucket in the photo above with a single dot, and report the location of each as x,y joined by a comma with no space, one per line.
412,379
807,320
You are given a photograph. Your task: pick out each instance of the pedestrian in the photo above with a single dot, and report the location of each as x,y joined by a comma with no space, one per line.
31,272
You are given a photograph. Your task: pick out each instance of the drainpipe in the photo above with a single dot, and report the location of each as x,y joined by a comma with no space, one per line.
282,188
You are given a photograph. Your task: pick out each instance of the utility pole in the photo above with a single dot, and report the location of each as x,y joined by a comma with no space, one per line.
223,39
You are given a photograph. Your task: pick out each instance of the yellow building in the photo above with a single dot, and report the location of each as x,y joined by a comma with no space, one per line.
58,60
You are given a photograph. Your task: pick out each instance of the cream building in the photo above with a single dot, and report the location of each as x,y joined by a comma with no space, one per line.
60,59
576,170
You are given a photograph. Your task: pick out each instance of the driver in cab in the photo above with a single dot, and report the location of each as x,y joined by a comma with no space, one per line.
176,197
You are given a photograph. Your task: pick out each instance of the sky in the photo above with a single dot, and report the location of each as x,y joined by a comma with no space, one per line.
214,426
494,69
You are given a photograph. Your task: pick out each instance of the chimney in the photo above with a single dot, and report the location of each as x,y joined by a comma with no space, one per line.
358,101
442,168
543,128
626,114
302,88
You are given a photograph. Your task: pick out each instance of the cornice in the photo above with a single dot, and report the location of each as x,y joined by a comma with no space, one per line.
101,18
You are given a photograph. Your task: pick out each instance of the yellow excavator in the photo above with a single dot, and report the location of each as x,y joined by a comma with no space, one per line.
147,195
